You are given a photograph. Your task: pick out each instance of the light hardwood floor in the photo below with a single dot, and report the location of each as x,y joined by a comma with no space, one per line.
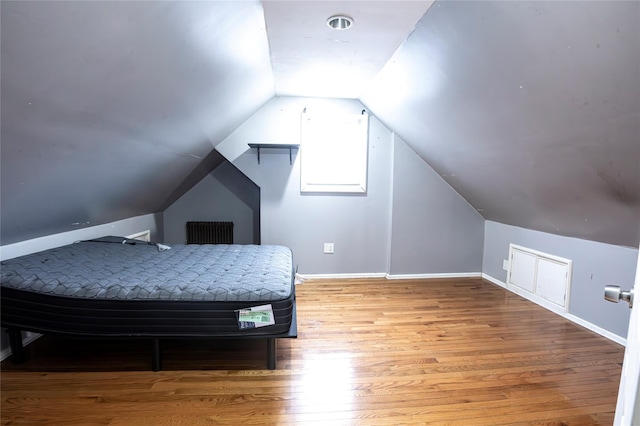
378,352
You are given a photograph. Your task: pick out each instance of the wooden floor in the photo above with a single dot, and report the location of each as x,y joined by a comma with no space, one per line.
460,352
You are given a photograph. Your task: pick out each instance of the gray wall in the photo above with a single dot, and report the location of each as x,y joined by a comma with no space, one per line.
132,225
409,221
434,229
356,223
594,266
225,194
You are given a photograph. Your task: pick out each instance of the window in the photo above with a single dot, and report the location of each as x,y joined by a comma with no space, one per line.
334,153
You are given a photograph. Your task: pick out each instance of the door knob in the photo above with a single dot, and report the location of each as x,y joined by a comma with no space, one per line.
612,293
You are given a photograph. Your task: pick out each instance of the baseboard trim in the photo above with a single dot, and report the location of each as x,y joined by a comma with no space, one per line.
577,320
302,277
433,276
601,331
27,339
5,354
494,280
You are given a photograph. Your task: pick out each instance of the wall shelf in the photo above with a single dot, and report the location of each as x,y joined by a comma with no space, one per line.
289,146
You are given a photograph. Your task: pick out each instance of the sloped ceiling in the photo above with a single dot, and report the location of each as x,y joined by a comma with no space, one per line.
530,110
107,107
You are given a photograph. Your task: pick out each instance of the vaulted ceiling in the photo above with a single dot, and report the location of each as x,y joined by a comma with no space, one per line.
530,110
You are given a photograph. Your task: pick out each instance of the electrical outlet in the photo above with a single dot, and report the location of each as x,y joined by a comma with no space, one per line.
328,248
505,265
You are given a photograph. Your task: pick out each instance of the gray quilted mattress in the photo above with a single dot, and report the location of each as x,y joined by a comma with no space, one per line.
110,270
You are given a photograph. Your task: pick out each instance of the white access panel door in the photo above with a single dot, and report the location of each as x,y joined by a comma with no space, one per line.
522,271
551,280
540,277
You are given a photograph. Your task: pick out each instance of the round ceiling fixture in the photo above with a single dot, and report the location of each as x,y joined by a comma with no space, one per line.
339,22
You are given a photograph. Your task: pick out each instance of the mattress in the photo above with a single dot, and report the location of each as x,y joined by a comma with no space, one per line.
118,287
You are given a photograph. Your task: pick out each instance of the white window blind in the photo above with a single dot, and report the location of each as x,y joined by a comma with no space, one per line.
334,153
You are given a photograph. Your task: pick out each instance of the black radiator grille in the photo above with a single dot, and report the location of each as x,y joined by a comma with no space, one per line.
209,232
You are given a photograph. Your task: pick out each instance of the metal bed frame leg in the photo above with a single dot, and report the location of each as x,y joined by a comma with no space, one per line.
156,356
15,342
271,354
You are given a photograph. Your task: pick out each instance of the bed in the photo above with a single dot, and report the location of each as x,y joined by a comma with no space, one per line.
114,287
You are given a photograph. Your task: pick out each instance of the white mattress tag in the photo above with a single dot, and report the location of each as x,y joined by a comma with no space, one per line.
256,316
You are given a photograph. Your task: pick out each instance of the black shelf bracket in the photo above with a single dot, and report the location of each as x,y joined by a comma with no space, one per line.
289,146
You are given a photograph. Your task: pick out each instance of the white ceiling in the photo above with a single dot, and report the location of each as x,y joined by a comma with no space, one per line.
312,60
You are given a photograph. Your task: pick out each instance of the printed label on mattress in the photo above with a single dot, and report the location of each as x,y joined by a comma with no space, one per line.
257,316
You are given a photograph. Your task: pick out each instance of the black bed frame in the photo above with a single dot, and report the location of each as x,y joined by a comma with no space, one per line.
18,353
142,320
